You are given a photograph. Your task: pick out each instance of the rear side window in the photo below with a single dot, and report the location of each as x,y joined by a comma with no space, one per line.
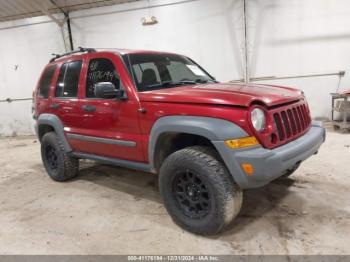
68,79
100,70
45,82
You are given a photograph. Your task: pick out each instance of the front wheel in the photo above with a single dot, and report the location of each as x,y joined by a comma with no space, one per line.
198,191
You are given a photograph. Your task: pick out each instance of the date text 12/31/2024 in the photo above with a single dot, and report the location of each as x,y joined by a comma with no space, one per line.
173,258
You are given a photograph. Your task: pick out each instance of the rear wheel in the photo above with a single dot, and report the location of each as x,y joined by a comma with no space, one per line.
58,164
198,191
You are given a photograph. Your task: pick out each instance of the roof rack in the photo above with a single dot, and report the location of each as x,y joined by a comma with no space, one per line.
80,50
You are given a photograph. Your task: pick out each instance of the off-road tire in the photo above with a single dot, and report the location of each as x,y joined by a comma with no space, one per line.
63,167
225,196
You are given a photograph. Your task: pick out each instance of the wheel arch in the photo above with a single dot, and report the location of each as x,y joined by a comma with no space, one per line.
167,133
48,123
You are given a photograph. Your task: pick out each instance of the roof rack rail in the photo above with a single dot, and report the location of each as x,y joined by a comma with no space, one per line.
80,50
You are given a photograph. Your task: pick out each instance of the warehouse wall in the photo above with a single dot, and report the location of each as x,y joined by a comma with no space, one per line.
298,37
206,30
285,38
24,51
200,29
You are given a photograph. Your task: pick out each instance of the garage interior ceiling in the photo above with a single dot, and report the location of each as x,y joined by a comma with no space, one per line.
18,9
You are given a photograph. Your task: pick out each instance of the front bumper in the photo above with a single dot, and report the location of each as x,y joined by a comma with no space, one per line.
269,164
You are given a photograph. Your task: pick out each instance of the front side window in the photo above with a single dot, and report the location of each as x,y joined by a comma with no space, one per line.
157,71
100,70
68,79
45,82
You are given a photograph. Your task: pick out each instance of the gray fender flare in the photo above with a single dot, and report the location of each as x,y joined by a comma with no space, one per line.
214,129
56,124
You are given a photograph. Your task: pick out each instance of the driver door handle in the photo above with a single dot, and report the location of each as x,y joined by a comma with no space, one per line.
55,106
89,108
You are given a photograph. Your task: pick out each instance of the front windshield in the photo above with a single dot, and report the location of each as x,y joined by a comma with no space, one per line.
158,71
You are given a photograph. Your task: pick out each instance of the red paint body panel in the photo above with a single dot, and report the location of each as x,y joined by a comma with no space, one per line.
157,110
122,120
113,119
224,94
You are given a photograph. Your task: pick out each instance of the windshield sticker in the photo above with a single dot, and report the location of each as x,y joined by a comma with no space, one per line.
196,70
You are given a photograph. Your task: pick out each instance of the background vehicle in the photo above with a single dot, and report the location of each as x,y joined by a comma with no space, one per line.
163,113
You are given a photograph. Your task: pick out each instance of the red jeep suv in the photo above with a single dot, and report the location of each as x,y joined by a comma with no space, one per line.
163,113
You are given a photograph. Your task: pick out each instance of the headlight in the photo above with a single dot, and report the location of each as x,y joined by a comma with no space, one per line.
257,117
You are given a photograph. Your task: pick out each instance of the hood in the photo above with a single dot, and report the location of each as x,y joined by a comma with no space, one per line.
224,94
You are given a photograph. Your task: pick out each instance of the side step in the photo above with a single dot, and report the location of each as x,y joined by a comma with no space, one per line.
116,162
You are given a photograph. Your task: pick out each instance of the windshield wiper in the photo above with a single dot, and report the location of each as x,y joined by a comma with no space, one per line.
171,83
204,81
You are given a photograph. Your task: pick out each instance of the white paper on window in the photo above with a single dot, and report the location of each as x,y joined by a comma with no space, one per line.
196,70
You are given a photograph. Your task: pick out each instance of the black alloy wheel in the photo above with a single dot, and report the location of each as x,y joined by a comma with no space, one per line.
51,157
198,191
59,164
191,194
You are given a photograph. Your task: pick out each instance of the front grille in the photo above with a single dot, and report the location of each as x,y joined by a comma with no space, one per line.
290,122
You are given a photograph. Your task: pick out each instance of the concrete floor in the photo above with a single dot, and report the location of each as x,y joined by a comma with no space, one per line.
110,210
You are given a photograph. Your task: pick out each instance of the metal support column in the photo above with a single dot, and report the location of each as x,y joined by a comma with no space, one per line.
64,24
66,29
246,65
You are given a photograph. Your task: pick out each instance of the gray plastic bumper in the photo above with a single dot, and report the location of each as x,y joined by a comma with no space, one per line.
270,164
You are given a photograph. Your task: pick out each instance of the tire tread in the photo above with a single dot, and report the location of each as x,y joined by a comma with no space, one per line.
70,164
229,195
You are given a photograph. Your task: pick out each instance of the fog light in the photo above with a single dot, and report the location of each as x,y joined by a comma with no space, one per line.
248,168
242,142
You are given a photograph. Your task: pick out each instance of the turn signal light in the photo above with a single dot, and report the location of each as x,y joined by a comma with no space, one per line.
248,169
242,142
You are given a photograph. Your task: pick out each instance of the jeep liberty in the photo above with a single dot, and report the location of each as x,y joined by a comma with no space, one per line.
163,113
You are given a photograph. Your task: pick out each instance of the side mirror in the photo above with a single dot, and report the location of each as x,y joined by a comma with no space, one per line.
107,90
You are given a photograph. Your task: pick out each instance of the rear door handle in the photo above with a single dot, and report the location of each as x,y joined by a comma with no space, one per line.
89,108
54,106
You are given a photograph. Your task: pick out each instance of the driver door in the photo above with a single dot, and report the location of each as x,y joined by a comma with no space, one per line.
108,127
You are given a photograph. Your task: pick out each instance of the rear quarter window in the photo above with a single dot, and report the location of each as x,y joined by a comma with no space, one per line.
45,82
68,79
